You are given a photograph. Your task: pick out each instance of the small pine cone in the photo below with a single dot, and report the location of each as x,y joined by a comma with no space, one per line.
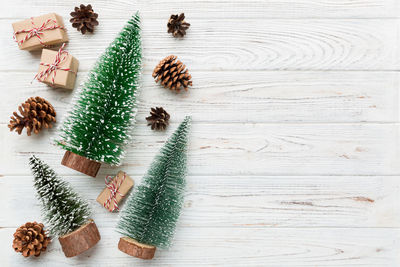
30,239
159,119
36,114
172,73
84,19
177,25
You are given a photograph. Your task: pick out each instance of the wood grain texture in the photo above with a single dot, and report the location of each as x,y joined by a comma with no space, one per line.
294,155
249,44
221,9
249,96
80,163
135,249
243,201
253,149
245,246
80,240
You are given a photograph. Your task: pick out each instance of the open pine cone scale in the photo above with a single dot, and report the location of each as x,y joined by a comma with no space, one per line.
36,114
158,119
177,25
84,18
173,74
30,239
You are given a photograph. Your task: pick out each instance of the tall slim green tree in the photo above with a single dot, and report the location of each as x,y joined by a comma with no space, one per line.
66,214
63,209
152,210
99,124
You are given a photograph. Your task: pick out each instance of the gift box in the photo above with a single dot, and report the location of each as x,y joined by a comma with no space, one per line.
116,189
57,68
36,32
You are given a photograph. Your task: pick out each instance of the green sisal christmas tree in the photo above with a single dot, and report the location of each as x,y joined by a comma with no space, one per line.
65,213
98,127
151,212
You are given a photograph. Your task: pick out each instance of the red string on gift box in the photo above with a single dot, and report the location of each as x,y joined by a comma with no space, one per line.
53,67
37,31
113,186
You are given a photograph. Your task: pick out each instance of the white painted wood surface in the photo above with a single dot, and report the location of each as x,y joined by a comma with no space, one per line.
294,155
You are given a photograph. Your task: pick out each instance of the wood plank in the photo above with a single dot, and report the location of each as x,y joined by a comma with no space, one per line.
206,9
238,247
243,201
256,96
250,44
253,149
294,156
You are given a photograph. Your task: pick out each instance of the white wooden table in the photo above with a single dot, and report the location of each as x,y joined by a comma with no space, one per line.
294,157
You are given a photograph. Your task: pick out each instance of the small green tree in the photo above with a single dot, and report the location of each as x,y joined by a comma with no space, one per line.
151,212
64,211
98,126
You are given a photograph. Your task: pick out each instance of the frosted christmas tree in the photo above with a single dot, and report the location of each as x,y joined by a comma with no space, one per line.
98,127
151,212
66,214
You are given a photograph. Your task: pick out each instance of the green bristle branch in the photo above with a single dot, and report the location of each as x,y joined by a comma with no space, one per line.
151,212
63,209
98,126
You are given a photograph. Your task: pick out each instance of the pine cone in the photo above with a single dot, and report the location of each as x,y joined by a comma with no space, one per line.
84,18
172,73
36,114
177,26
30,239
159,119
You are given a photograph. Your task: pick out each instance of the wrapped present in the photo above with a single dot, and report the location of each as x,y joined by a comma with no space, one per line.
116,189
57,68
37,32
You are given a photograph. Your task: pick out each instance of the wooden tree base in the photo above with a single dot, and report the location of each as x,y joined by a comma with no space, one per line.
80,164
80,240
134,248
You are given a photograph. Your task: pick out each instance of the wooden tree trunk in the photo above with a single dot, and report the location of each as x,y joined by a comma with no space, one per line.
81,164
80,240
134,248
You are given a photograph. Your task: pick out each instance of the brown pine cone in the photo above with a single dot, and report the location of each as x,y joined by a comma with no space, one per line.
159,119
30,239
177,26
84,19
172,73
36,114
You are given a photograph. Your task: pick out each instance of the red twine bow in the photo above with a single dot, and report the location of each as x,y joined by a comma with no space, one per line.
37,31
113,186
53,67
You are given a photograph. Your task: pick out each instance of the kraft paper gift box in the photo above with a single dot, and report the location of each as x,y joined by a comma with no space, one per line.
121,184
65,74
37,32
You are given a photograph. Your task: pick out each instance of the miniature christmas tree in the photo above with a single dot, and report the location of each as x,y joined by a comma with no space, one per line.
97,128
66,214
151,212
